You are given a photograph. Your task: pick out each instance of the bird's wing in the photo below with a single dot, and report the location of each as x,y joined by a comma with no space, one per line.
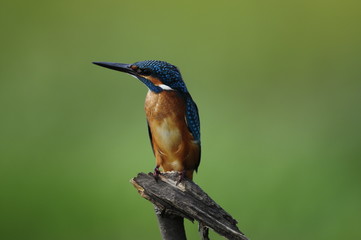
192,119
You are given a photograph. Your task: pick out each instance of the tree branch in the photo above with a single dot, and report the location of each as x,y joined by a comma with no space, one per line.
171,226
185,200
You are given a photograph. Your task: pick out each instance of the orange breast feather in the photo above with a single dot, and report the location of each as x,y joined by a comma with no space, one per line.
173,144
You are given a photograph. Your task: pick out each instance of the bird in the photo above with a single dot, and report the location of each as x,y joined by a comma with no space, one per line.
172,116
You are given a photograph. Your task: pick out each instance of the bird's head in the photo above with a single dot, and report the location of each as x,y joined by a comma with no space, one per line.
156,75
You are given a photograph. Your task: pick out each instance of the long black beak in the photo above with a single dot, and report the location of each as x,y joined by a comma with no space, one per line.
122,67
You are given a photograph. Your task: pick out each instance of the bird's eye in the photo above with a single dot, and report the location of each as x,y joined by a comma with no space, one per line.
145,71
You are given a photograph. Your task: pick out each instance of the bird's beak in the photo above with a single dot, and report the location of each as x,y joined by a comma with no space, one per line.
122,67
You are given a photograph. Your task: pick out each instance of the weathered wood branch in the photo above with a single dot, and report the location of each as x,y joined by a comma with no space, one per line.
186,200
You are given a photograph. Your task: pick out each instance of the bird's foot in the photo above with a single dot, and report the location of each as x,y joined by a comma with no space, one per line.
182,176
156,173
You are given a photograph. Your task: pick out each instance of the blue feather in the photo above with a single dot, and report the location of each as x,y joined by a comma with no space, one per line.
192,117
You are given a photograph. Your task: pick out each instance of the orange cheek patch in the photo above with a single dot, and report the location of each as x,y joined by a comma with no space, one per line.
154,80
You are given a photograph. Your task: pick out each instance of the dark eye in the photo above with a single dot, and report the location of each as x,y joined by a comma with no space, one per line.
146,71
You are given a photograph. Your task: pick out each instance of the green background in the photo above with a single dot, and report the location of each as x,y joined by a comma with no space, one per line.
278,85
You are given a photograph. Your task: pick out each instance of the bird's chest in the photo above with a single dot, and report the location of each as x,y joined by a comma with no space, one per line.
166,104
166,118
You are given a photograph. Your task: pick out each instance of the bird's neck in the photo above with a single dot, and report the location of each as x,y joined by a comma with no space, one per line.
150,85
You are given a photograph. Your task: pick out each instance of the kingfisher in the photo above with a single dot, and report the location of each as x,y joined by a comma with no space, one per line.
172,115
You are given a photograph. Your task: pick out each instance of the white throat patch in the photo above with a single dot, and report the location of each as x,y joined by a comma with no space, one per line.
165,87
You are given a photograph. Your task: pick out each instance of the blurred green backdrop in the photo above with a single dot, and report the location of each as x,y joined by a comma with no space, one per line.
278,85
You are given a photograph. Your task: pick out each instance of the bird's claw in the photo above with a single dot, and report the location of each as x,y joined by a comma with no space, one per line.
182,175
156,173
